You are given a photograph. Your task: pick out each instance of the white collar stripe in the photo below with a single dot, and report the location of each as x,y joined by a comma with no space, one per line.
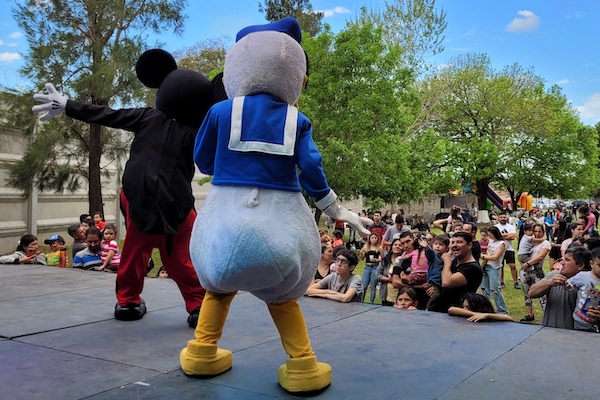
235,135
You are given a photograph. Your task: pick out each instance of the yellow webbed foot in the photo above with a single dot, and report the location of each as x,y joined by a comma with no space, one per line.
203,359
304,374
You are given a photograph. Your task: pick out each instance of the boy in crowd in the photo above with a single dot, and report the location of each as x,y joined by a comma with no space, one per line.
436,258
90,257
99,221
341,285
55,242
587,285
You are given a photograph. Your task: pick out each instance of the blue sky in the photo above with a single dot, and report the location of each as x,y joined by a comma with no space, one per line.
555,37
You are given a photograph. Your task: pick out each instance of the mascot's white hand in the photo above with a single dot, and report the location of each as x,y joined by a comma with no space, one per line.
54,103
332,209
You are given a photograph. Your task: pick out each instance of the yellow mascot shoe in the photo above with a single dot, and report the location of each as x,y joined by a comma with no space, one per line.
304,374
203,359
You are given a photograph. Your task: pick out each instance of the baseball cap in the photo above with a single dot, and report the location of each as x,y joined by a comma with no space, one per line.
55,238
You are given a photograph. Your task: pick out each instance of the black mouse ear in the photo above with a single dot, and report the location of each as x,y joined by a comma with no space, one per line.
153,66
218,88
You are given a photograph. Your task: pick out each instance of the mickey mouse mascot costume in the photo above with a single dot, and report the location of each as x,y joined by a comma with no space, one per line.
255,231
156,198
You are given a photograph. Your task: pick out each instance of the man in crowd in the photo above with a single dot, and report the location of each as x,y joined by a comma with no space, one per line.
463,275
379,227
395,231
560,301
471,229
509,233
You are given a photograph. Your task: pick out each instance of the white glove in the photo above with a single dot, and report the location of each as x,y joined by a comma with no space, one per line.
332,209
54,103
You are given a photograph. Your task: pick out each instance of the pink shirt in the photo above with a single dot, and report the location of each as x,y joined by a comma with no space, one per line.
106,247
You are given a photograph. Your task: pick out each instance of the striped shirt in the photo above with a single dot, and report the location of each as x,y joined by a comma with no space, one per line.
85,259
108,246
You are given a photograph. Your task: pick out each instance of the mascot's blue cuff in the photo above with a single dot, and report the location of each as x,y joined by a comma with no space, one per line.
287,25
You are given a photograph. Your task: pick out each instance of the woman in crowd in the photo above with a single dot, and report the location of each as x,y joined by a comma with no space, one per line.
372,253
532,271
558,233
28,252
574,231
324,267
387,291
493,260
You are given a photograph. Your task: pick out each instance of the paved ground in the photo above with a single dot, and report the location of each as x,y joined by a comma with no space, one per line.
58,340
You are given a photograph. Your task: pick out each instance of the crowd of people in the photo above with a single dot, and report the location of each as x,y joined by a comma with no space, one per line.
94,247
415,269
411,268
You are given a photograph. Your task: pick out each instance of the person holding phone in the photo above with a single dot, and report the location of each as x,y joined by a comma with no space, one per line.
28,252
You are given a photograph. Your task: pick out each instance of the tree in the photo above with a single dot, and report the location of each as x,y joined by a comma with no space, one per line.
310,21
505,127
87,49
416,25
360,102
206,57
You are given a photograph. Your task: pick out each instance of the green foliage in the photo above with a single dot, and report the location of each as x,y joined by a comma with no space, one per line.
309,20
87,49
361,101
415,25
506,128
206,57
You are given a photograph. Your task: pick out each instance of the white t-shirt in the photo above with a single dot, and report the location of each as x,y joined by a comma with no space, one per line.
492,248
507,228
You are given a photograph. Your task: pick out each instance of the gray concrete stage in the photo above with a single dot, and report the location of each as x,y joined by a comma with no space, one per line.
58,340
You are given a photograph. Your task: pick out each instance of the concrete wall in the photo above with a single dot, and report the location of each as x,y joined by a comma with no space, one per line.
46,214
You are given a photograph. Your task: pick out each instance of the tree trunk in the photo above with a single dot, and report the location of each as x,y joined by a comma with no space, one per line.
94,181
482,214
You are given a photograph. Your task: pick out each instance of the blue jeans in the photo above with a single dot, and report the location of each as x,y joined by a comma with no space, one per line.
368,278
491,287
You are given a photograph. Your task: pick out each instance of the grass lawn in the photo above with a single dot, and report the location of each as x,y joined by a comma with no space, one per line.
515,302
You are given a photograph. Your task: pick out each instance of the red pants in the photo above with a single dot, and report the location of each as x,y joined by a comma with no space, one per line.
135,256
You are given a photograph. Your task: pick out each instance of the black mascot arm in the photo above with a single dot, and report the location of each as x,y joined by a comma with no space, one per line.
129,119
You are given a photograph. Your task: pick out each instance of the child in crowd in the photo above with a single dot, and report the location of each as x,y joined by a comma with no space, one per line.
338,239
587,284
407,299
476,308
413,262
484,241
437,255
99,221
87,224
162,273
526,246
111,258
55,242
90,258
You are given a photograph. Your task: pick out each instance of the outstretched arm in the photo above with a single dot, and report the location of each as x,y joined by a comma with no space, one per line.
477,316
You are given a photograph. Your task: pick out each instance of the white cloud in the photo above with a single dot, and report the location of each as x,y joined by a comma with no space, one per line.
15,35
525,22
9,57
334,10
576,14
563,82
591,108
